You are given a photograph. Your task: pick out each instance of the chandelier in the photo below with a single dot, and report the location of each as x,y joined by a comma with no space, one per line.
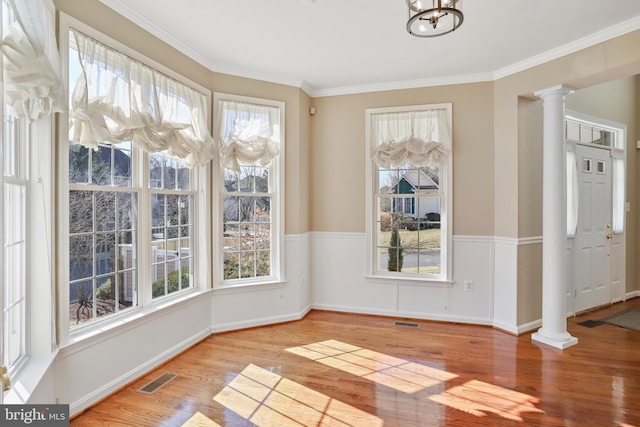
432,18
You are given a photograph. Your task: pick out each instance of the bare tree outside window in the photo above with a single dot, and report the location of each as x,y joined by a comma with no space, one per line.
102,234
247,223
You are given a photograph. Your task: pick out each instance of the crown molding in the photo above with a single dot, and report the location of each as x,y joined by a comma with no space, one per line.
406,84
612,32
121,7
140,20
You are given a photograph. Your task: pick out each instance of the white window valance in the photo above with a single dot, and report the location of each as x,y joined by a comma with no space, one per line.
415,138
117,98
32,85
249,134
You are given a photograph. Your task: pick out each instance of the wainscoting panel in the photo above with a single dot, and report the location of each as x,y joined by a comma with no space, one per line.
338,271
90,370
249,306
505,298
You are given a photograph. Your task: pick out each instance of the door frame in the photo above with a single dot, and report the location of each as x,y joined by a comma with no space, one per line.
618,242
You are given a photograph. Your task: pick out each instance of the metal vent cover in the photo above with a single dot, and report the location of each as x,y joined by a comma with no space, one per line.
407,324
154,385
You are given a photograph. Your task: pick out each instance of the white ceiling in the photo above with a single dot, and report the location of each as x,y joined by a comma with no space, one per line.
331,47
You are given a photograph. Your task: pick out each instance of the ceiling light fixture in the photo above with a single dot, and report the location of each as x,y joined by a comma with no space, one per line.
441,18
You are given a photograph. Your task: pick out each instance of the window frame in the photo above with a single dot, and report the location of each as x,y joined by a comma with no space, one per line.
276,189
20,178
200,177
445,279
38,175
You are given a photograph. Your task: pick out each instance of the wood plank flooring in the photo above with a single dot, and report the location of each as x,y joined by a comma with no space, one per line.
336,369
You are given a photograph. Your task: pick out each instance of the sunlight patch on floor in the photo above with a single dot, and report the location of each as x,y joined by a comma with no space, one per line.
474,397
479,398
268,399
399,374
200,420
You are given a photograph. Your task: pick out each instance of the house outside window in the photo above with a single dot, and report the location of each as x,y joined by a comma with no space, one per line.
131,174
250,134
409,173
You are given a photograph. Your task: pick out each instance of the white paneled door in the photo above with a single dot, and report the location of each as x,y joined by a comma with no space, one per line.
592,246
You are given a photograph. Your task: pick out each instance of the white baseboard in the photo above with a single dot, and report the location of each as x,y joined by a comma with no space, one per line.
519,329
404,314
528,327
233,326
632,294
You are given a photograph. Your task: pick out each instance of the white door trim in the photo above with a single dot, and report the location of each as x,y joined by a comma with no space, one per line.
618,241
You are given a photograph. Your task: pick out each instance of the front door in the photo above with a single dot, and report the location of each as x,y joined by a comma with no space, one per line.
592,244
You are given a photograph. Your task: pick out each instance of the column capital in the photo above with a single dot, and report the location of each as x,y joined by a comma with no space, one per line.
563,90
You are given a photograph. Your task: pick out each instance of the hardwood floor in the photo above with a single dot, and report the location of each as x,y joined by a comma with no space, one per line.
362,371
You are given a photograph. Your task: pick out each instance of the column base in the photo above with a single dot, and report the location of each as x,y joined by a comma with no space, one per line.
560,342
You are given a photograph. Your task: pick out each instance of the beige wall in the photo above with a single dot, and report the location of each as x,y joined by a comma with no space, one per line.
529,167
338,152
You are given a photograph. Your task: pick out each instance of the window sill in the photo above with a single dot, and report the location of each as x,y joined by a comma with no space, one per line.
27,379
410,281
78,340
249,287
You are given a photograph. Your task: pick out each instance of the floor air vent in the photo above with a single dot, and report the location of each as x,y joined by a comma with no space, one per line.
154,385
407,324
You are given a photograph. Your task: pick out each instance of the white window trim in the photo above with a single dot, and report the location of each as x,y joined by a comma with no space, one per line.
277,220
23,180
446,208
201,177
40,338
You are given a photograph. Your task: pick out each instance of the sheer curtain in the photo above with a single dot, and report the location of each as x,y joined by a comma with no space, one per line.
249,134
117,98
417,138
32,85
572,193
618,195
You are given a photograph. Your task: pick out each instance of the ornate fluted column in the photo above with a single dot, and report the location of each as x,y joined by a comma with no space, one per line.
554,222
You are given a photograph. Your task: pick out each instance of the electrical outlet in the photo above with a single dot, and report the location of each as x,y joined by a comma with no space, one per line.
468,285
